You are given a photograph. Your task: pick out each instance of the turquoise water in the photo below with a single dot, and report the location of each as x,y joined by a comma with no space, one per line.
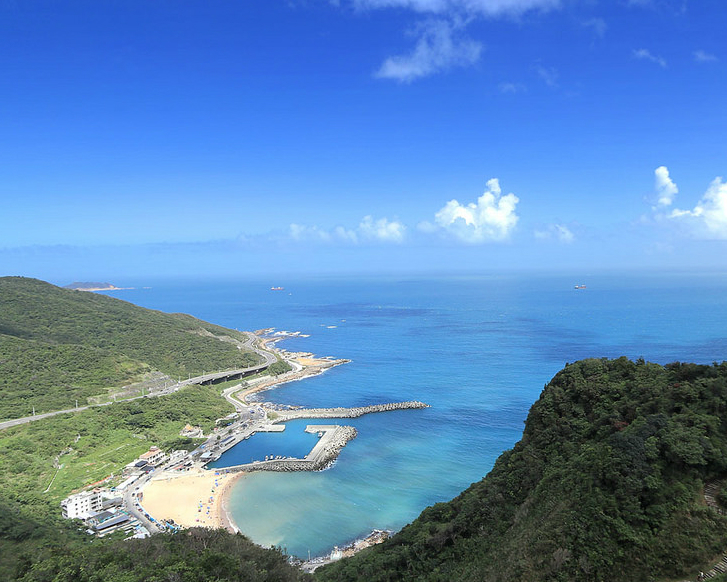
477,349
293,442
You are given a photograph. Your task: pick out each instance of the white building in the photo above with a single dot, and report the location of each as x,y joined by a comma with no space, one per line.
82,505
154,456
177,455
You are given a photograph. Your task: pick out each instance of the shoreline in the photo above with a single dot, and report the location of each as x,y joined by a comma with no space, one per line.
195,499
200,498
210,488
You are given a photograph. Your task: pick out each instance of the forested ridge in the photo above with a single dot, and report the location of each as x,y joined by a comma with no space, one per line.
59,345
605,485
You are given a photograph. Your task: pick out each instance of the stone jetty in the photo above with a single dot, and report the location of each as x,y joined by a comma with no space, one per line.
334,438
347,412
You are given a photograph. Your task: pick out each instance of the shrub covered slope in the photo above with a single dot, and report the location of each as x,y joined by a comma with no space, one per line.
605,485
59,345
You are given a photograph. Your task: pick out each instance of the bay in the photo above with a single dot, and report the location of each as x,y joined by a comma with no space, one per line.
477,348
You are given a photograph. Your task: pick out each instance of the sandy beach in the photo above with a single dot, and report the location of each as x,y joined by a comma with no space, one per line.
193,499
197,498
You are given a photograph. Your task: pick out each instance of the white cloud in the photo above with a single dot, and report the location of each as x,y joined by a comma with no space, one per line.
369,229
491,218
548,74
556,231
382,229
708,219
300,232
704,57
441,44
440,47
470,7
645,55
666,189
512,88
597,25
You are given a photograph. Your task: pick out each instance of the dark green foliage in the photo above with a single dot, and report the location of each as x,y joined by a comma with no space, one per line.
194,555
58,345
27,537
53,377
605,485
90,445
279,367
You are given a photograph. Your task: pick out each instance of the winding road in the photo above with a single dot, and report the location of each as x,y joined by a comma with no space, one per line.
251,343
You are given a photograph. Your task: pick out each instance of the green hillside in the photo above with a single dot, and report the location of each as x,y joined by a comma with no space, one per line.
606,484
195,555
58,345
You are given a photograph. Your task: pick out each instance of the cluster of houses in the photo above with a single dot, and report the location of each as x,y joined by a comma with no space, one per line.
101,509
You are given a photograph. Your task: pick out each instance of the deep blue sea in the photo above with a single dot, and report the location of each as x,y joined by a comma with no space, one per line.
478,349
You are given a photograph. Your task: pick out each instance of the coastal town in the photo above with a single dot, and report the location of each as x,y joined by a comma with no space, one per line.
168,490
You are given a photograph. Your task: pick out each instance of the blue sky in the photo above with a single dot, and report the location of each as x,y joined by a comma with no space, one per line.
273,137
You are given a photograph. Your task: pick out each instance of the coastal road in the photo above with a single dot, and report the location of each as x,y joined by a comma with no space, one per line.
252,343
130,501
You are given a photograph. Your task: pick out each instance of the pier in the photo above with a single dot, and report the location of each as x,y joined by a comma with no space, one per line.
325,451
347,412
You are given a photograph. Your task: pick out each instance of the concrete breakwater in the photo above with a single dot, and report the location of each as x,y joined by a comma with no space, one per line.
347,412
333,439
216,449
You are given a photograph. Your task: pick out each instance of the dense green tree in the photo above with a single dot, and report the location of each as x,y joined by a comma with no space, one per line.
58,346
605,485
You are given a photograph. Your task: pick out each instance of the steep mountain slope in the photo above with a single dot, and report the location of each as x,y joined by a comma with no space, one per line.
606,484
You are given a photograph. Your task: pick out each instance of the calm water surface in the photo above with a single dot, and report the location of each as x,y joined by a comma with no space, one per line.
478,349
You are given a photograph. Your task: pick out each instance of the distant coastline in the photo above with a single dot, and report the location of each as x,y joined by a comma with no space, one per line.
94,286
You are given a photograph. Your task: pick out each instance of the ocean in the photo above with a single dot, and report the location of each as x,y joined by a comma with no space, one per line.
478,349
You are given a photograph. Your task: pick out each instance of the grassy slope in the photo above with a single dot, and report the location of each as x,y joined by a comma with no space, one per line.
90,446
58,345
604,485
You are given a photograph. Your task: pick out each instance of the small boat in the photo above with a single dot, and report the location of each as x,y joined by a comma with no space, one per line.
276,288
580,287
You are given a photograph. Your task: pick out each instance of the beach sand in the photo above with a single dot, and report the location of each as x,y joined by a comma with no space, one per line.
193,499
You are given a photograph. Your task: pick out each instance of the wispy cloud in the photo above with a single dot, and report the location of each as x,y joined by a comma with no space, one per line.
368,230
549,75
511,88
558,232
440,46
381,229
704,57
491,218
597,25
646,55
470,7
441,43
666,189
